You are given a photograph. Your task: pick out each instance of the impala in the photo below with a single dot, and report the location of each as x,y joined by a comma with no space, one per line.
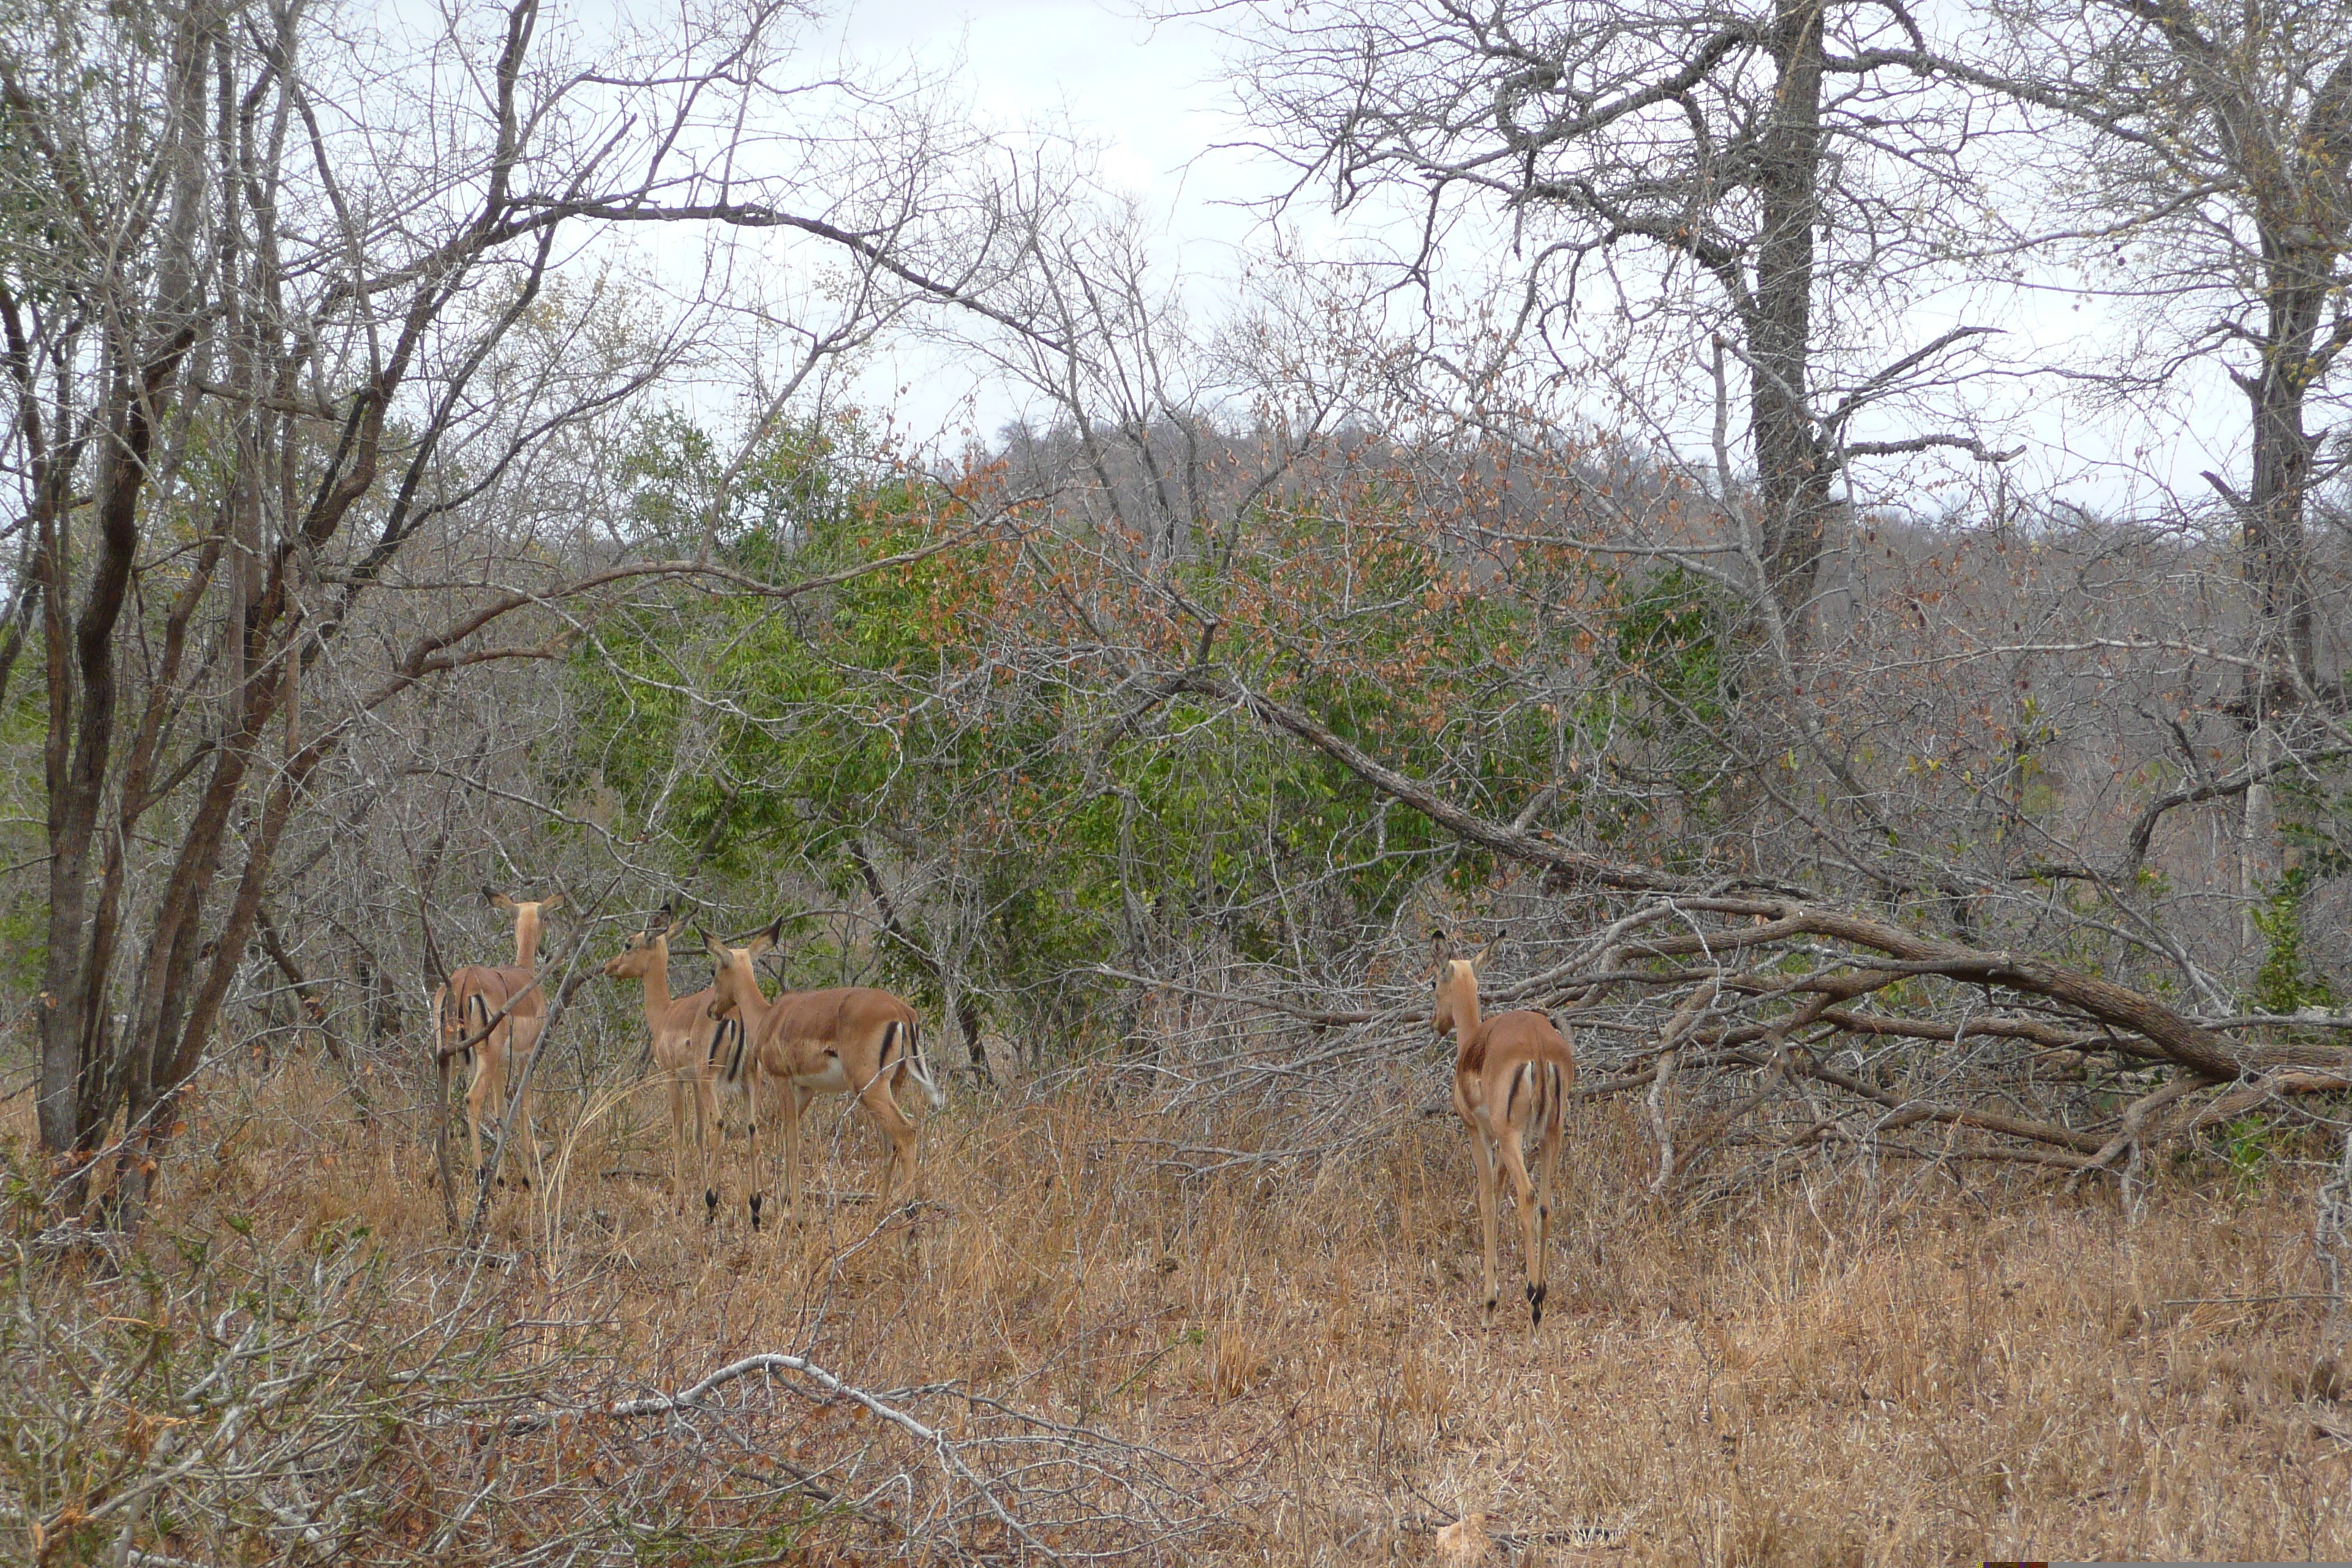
491,1018
1511,1073
694,1054
849,1040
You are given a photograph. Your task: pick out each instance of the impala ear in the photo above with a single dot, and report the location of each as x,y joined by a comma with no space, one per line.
714,947
1441,946
498,901
1479,959
764,941
552,902
676,923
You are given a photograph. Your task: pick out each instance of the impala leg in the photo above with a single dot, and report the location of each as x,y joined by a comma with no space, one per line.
441,1127
883,1110
712,1152
709,1131
791,1104
489,1079
1485,1159
678,1091
712,1147
474,1119
752,1084
1548,1156
522,1049
1531,1226
755,1169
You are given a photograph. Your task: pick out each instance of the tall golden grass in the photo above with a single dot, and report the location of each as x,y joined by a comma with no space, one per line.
1894,1367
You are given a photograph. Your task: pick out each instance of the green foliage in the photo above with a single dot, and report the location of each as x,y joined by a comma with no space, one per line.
2249,1142
792,754
1664,678
882,721
2286,983
827,742
1670,640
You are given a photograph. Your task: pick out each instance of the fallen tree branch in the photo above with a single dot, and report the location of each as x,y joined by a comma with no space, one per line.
2179,1040
2129,1137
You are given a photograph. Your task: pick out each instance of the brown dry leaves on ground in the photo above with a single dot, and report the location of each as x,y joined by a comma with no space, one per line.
1282,1365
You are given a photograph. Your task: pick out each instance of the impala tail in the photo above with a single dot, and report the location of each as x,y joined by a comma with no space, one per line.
1539,1084
474,1021
727,1050
916,1068
440,997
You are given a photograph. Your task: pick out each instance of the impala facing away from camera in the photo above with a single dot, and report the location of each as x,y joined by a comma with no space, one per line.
1511,1076
491,1017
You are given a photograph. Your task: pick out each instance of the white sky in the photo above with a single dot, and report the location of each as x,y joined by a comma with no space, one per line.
1147,95
1151,94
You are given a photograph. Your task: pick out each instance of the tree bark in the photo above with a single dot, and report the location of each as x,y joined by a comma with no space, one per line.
1793,470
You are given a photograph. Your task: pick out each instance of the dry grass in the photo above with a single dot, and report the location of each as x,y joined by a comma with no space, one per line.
1822,1374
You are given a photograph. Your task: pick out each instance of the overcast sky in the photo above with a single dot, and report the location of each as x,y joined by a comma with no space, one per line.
1152,96
1150,91
1147,95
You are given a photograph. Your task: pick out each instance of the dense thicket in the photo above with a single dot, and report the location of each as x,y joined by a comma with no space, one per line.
382,537
1680,536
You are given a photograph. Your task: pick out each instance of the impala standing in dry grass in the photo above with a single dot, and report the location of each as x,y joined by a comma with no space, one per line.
847,1040
1511,1074
465,1005
694,1054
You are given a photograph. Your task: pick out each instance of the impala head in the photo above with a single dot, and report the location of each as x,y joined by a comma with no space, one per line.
1454,983
647,952
529,919
733,981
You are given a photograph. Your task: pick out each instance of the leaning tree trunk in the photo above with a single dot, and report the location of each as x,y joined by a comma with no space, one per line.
2276,559
2303,218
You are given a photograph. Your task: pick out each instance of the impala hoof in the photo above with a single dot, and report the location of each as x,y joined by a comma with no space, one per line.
710,1205
755,1211
1536,1294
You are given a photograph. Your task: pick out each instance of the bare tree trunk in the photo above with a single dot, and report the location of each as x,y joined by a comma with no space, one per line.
1792,469
2276,558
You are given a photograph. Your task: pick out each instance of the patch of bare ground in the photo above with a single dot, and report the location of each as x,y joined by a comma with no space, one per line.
1272,1363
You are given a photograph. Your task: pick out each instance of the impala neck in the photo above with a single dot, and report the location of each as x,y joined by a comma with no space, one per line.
1466,1019
657,979
526,936
750,1009
1466,1016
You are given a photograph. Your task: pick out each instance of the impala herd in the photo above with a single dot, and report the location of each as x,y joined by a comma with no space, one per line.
729,1046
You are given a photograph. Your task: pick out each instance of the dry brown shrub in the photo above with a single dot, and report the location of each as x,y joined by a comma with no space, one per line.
1287,1359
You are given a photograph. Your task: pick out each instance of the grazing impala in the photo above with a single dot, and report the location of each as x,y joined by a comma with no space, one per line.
1511,1074
694,1054
849,1040
492,1018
